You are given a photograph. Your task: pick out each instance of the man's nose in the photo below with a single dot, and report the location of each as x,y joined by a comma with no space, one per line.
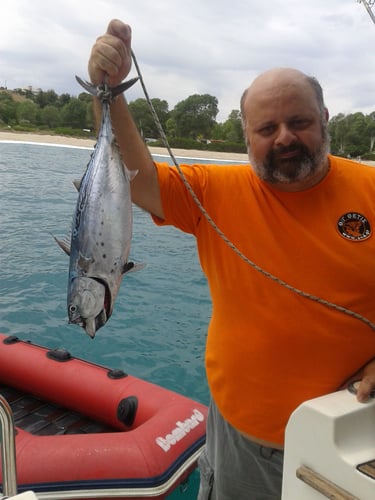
285,136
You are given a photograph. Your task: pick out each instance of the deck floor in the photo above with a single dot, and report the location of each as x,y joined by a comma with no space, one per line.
43,418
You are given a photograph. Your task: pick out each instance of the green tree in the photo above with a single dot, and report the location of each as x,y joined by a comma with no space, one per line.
8,108
371,130
353,134
231,129
85,97
90,116
46,98
143,118
74,114
27,112
338,130
63,99
357,134
50,116
171,127
218,132
161,108
196,116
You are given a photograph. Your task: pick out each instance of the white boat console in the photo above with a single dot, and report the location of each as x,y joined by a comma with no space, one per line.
330,449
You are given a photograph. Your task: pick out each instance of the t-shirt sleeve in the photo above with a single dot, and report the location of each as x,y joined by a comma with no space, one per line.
180,208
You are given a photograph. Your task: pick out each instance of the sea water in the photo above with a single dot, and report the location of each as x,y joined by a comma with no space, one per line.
158,328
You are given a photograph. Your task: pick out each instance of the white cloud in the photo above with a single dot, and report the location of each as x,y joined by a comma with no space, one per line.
214,46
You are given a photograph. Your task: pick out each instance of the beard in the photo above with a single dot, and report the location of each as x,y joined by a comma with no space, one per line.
293,163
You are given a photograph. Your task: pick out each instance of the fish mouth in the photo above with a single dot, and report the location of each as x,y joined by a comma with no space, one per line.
107,299
101,319
91,327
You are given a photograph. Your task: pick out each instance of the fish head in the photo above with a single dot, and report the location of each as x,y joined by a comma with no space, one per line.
87,304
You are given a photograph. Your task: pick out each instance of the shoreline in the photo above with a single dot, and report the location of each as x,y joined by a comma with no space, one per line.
75,142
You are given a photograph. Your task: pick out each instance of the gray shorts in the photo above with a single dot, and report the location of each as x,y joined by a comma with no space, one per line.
234,468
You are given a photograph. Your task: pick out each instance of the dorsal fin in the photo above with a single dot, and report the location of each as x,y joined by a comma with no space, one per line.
64,244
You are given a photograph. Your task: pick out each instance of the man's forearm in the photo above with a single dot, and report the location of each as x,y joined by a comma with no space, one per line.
136,156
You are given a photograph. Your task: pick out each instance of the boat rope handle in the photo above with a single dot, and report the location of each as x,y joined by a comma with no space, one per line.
323,485
255,266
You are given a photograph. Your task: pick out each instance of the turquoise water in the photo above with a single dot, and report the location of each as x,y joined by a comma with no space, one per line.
158,328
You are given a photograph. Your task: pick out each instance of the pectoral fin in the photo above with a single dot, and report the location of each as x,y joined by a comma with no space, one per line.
131,267
84,263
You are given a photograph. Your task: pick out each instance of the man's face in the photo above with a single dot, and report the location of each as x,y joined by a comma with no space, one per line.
285,131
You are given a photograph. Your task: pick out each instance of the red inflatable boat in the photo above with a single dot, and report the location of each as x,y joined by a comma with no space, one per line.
85,431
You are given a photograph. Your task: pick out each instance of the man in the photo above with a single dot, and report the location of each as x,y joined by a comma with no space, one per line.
293,293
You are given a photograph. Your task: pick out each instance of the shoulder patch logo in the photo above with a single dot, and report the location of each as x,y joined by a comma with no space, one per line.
354,226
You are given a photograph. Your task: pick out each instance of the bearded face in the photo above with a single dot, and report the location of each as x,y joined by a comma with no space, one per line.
291,163
285,126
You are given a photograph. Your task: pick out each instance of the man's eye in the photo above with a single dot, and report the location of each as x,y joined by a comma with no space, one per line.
268,130
300,124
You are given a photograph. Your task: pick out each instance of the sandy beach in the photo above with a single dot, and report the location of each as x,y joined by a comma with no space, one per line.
89,143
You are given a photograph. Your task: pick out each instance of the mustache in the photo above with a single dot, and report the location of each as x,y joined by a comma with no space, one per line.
292,148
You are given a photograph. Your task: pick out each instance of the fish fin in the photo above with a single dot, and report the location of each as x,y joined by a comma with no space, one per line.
77,183
132,267
85,262
64,244
98,90
91,88
122,87
132,173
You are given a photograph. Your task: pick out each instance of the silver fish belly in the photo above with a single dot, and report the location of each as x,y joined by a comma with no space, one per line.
101,232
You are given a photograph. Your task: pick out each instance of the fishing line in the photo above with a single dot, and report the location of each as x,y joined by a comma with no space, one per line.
255,266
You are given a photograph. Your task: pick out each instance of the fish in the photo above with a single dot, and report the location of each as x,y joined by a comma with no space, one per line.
99,242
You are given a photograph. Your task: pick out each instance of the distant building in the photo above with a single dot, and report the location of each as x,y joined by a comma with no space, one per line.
29,88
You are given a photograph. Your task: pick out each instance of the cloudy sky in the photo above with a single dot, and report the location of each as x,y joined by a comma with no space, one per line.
187,47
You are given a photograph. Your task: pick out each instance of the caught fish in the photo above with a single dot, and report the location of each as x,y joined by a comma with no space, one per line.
99,244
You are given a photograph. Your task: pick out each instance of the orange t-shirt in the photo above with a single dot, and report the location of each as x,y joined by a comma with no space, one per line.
268,348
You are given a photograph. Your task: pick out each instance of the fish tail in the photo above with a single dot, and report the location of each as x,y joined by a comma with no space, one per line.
119,89
103,91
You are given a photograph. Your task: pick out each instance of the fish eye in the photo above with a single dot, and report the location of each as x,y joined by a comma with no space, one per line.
72,308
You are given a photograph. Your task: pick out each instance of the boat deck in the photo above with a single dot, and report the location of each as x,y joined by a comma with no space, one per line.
43,418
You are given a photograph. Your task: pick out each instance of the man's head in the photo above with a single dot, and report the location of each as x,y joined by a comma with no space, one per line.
285,126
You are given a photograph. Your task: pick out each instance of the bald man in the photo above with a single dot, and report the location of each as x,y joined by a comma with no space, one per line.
293,293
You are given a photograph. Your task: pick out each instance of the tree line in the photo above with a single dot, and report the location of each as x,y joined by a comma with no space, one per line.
190,124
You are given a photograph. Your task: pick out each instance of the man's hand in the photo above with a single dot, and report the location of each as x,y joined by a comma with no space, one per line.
111,55
367,383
